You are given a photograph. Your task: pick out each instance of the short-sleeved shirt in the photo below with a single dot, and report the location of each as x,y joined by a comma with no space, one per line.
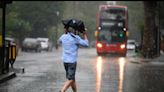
70,43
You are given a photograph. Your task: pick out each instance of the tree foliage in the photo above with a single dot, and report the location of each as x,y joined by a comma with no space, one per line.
32,18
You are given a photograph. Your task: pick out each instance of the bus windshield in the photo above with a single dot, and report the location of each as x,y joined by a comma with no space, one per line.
111,36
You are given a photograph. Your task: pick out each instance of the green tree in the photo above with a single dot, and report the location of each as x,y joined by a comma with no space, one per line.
16,27
40,15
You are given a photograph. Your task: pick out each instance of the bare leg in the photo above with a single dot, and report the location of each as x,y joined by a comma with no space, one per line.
67,84
74,86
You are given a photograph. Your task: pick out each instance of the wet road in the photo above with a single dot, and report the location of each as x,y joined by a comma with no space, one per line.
44,72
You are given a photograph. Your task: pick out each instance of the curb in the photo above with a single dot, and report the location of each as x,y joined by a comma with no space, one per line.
6,77
135,62
140,60
18,70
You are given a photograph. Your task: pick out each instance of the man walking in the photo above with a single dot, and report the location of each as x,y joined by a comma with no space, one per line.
70,43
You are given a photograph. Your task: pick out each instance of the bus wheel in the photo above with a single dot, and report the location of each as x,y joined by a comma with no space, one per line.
99,54
123,55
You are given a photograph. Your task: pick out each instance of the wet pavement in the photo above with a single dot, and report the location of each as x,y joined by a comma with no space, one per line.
146,76
44,72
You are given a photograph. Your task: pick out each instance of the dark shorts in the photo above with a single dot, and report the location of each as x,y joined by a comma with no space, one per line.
70,69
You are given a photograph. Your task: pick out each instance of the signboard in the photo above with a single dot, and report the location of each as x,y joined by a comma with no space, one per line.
107,24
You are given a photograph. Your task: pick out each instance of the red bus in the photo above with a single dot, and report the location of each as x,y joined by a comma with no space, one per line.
112,29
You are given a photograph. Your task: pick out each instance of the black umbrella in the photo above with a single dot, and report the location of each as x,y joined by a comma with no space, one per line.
66,22
74,23
81,26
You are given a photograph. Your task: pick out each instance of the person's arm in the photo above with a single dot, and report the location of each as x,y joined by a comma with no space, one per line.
84,42
59,41
85,35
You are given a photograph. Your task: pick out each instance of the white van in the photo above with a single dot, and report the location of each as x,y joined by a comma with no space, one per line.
45,45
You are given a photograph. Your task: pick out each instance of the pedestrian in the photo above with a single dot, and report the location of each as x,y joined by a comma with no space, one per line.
70,44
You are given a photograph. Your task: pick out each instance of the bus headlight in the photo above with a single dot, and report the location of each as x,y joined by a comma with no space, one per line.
99,45
99,28
122,46
124,29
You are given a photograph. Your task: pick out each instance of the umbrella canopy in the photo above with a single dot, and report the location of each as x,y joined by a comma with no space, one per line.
74,23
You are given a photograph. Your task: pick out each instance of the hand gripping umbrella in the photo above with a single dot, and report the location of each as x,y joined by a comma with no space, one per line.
78,25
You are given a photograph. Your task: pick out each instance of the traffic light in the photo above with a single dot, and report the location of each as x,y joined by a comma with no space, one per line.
121,34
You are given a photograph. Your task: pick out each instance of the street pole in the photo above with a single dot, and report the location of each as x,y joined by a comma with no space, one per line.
2,62
57,13
3,37
74,8
158,32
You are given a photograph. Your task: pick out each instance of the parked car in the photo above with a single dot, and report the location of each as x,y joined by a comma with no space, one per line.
45,44
131,44
30,44
93,44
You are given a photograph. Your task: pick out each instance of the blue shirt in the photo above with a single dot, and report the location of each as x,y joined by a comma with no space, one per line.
70,43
